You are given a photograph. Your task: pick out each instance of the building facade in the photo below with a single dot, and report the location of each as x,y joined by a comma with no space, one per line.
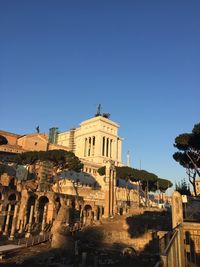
95,141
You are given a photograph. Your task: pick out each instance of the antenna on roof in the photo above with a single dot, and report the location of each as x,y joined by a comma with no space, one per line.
128,158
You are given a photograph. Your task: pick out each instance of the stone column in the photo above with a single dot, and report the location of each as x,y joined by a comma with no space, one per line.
84,217
107,190
110,148
2,216
105,142
113,177
95,213
13,229
21,222
119,144
94,146
7,220
98,145
44,218
177,209
86,147
50,212
30,221
100,212
37,211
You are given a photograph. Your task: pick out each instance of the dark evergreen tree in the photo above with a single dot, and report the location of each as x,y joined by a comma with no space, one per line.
188,155
183,188
148,181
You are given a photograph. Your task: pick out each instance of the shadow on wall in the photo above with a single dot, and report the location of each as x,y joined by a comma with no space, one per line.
191,256
91,241
149,221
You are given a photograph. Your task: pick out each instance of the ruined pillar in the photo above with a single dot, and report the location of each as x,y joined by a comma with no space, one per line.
61,236
37,211
7,220
50,212
21,222
2,216
95,213
14,222
30,221
110,188
44,218
177,209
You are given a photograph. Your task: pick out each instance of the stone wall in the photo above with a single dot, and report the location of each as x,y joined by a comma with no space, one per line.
123,237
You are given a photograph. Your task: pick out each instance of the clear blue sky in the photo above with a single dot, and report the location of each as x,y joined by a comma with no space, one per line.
139,59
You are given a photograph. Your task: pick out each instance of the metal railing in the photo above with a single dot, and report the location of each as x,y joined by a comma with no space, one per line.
34,240
173,254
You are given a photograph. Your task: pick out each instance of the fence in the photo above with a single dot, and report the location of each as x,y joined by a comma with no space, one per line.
34,240
173,254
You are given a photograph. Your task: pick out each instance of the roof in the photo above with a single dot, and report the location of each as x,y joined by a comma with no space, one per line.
99,118
9,133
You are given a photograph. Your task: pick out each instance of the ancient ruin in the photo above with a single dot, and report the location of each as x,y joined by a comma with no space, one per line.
34,200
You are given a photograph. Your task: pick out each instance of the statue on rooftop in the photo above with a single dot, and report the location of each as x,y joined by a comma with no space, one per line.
38,129
98,113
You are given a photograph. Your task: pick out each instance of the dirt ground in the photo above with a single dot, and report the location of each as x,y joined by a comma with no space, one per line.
43,256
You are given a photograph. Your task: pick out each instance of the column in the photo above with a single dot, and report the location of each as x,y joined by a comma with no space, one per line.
37,211
103,146
86,147
7,220
44,218
119,144
100,212
50,212
30,221
84,217
110,148
107,146
107,191
114,152
98,145
89,147
2,216
93,146
95,213
21,221
84,152
14,221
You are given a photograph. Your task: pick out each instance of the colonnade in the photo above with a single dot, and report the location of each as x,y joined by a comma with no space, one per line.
89,146
107,144
36,214
22,216
90,214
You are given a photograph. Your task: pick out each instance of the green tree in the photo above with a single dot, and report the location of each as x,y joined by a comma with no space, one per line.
163,184
183,188
59,160
188,155
148,181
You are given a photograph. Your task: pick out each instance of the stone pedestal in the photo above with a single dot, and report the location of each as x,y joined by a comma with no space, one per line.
177,209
